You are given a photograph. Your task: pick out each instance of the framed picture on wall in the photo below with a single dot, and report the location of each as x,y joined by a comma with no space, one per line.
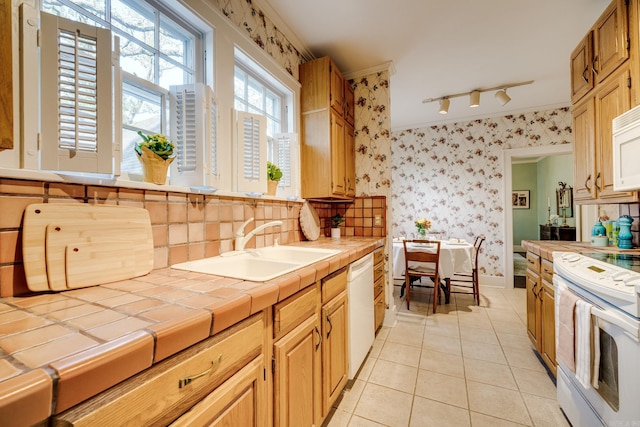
520,199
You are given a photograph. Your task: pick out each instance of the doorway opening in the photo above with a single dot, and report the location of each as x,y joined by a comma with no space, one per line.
511,156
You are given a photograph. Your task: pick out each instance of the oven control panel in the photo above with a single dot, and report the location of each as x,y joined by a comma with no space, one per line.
611,283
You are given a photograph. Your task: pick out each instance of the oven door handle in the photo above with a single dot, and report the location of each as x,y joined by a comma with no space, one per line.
630,330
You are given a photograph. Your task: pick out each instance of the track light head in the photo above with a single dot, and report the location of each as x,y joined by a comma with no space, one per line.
502,97
474,98
444,106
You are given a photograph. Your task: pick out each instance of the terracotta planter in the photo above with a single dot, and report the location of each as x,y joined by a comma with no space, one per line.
272,187
154,167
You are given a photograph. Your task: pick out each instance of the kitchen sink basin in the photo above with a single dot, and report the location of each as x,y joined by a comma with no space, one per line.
258,265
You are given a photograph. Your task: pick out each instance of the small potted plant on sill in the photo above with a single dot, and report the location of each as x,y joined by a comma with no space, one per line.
336,221
274,174
155,152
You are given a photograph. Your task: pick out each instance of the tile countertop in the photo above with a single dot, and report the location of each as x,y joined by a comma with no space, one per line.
58,349
545,248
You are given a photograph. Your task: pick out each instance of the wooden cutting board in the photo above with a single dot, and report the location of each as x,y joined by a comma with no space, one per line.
309,222
106,223
135,244
88,264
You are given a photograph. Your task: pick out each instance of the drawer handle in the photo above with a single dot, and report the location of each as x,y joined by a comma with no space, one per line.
214,364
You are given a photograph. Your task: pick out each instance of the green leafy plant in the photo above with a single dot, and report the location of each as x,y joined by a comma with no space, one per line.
336,220
273,172
157,143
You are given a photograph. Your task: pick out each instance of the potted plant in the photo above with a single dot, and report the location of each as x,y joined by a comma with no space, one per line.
336,221
155,152
274,174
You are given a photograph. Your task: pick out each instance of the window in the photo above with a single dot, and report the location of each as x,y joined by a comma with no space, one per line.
158,50
255,94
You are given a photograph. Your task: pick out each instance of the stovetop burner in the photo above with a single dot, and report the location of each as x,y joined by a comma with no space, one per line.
628,261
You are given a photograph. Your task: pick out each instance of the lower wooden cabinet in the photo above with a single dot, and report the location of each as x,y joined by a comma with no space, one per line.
297,376
379,300
240,401
335,361
540,309
210,371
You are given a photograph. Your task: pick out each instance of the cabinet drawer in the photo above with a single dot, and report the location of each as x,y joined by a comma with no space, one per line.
379,306
334,284
378,286
533,262
163,392
547,270
291,312
378,256
378,271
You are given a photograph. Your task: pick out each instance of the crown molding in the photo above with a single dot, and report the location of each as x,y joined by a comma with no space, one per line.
385,66
280,23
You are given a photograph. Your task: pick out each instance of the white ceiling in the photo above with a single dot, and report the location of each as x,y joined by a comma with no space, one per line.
441,47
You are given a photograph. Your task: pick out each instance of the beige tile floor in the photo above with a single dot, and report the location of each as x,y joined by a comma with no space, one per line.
467,365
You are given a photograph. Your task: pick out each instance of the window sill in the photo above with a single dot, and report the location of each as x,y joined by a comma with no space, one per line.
121,182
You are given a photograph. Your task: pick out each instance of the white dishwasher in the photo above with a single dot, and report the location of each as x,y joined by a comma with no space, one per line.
361,311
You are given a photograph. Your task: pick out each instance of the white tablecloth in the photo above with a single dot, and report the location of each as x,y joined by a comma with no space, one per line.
454,258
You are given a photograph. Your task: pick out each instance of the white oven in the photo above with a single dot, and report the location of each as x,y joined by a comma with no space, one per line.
613,398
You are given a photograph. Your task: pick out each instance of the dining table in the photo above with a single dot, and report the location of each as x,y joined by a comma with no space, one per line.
455,257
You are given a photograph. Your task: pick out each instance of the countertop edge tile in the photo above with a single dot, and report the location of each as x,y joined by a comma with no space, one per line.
229,311
86,374
26,399
175,335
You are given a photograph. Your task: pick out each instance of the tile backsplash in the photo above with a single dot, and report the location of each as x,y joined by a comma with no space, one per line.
185,226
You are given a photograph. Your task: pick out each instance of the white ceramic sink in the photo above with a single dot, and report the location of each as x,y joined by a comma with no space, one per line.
258,265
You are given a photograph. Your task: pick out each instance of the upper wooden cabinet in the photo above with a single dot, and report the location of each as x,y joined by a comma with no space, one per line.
604,67
581,68
6,77
327,137
602,50
611,39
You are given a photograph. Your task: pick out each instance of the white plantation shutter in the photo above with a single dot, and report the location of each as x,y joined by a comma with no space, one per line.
194,132
76,96
251,161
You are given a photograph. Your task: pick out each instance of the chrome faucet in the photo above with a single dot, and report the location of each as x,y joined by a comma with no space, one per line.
242,240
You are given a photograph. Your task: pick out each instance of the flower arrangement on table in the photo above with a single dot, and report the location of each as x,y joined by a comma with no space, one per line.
155,152
422,225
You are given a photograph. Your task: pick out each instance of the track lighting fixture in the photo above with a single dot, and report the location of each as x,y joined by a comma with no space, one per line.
444,106
502,97
474,96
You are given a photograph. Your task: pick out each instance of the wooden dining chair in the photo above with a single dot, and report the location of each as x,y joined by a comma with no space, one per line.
469,280
427,253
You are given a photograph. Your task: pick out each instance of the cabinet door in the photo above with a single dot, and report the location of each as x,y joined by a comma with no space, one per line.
533,308
335,362
612,99
610,40
349,103
581,70
379,306
584,117
337,89
350,160
338,162
548,339
297,382
239,401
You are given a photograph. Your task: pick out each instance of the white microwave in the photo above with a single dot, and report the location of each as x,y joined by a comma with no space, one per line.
626,151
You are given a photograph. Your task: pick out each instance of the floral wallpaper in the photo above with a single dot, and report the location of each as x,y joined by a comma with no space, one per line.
453,175
262,31
373,134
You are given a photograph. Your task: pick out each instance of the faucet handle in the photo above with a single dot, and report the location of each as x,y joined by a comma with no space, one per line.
240,232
